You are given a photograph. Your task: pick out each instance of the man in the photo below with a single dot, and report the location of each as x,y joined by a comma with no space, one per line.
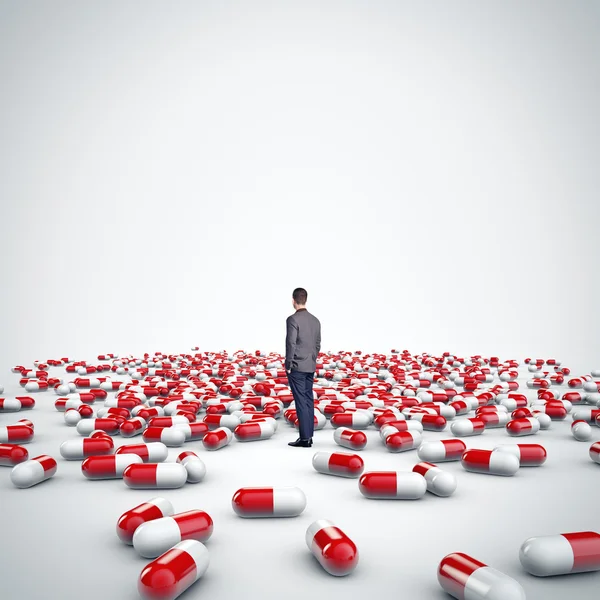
302,346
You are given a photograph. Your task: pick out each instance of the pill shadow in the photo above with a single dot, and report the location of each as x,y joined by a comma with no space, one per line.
313,568
570,577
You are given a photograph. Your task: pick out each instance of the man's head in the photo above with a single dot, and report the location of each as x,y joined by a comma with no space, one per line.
299,296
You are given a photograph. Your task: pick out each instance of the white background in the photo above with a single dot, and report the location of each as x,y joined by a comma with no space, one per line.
171,171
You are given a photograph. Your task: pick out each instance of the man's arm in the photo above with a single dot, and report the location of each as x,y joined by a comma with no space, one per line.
290,342
319,339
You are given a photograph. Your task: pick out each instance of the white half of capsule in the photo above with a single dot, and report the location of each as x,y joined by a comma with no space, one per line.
486,583
503,461
581,431
173,436
547,555
152,538
440,482
463,428
410,485
195,467
28,473
288,501
433,452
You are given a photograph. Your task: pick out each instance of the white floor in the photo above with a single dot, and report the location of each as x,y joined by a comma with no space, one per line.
58,538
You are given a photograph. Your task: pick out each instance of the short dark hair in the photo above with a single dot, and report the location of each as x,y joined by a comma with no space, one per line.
300,295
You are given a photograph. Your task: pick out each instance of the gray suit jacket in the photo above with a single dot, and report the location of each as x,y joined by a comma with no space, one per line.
302,341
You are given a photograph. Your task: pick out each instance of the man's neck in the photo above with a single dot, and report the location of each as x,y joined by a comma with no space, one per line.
301,308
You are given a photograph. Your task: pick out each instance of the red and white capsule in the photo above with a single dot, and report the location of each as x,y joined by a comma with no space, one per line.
34,471
16,404
155,476
129,521
12,454
529,455
581,430
16,434
400,441
108,466
350,438
253,431
466,578
524,426
81,448
342,464
193,431
131,427
490,462
217,439
153,452
561,554
467,426
195,467
86,426
354,420
169,436
441,451
268,502
158,535
332,548
400,485
595,452
439,482
173,572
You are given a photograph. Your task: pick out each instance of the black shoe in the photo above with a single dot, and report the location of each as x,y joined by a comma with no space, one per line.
300,443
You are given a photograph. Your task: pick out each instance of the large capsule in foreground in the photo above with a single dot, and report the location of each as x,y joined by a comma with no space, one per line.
399,485
561,554
129,521
158,535
332,548
465,578
491,462
268,502
169,575
342,464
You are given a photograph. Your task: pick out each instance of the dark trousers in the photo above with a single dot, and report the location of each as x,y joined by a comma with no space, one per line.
301,385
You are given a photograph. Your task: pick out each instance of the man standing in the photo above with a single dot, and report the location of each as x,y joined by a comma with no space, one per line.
302,346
